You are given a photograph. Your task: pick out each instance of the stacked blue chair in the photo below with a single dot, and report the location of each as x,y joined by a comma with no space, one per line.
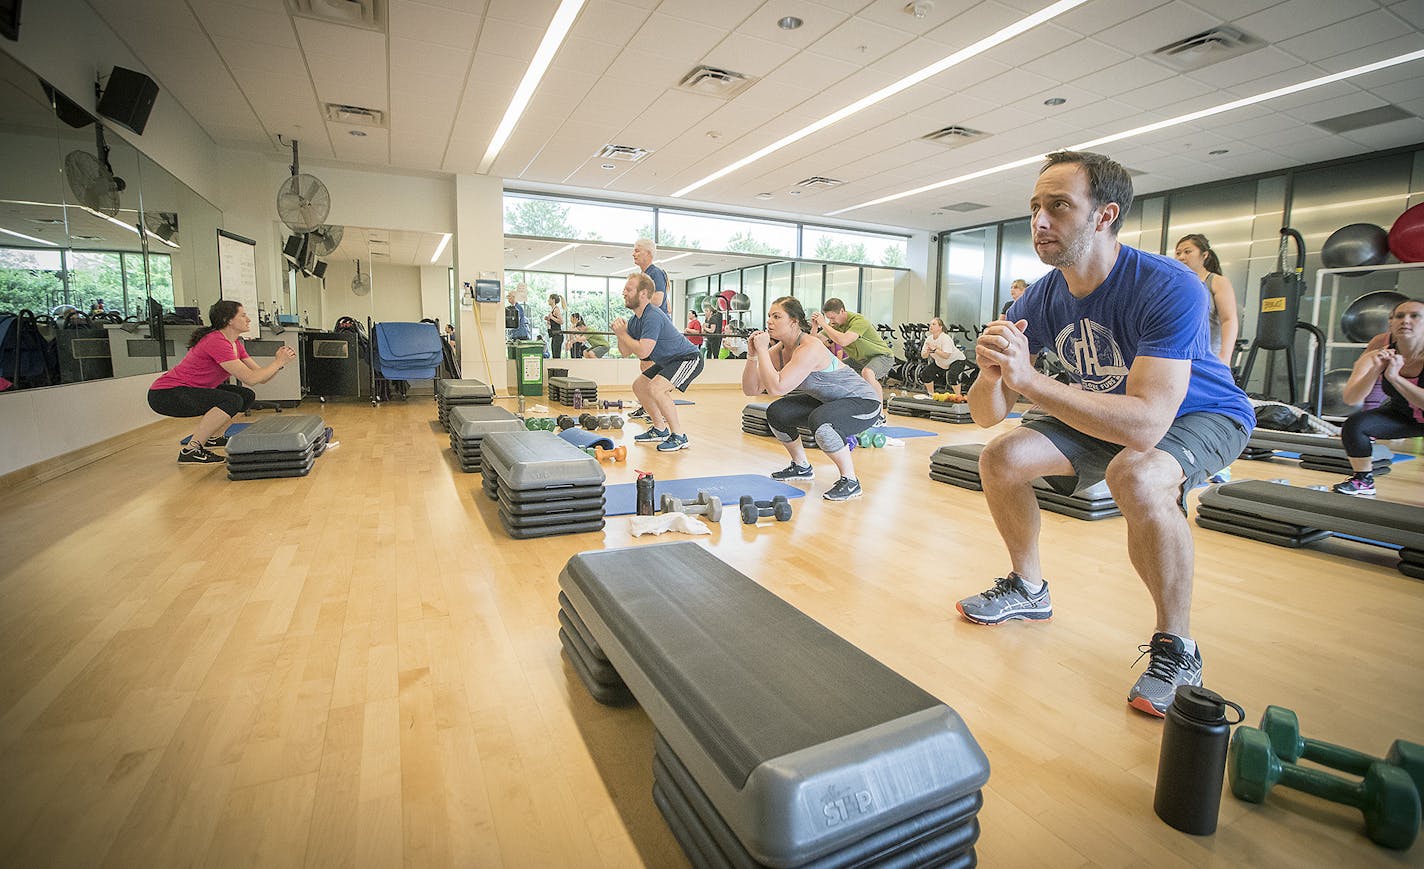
407,351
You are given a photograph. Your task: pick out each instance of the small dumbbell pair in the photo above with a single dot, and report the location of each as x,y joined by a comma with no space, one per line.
617,454
539,424
752,509
594,422
866,439
707,504
1388,795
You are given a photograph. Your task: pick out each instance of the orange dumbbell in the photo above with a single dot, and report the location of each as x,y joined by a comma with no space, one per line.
616,454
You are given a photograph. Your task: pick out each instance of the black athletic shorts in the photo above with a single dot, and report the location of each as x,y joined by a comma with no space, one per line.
680,371
186,401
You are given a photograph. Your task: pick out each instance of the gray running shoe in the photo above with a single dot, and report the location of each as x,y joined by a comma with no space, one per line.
844,489
1006,601
1169,666
652,436
794,471
673,443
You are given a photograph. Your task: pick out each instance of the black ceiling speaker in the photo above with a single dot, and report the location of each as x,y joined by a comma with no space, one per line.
295,248
128,98
319,270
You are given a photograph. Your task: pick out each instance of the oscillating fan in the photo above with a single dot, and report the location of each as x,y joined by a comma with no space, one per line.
325,239
92,178
161,224
303,201
361,284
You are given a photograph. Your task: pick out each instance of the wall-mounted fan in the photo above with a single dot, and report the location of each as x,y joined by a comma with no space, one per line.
91,177
361,284
325,239
303,201
162,224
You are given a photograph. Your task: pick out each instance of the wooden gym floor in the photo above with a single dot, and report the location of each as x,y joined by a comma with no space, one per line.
360,668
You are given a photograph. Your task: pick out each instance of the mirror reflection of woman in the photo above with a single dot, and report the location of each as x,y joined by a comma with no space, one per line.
1194,252
555,321
1394,362
197,386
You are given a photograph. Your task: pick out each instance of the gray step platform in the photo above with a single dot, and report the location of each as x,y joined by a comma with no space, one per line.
1317,452
283,433
463,392
754,419
561,389
804,746
928,408
958,465
469,424
544,484
1305,512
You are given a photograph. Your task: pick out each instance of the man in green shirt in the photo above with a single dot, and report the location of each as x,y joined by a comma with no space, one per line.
597,346
866,351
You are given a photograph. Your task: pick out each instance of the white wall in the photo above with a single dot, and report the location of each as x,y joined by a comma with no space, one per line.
435,294
479,248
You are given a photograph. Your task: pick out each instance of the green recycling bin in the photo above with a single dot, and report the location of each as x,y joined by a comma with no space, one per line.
526,367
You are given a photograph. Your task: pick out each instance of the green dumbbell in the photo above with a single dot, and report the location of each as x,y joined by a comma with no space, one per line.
539,424
752,509
871,439
705,505
1283,728
1386,797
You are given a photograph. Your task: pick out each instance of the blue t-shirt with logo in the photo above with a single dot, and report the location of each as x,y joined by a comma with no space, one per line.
660,285
1149,305
654,323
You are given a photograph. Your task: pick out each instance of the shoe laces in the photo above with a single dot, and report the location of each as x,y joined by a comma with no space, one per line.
1164,663
1003,586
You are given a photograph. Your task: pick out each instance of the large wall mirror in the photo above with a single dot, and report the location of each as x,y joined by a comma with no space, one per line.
90,230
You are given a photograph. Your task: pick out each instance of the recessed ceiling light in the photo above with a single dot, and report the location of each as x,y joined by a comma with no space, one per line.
360,134
764,196
1054,101
714,134
606,256
790,22
794,192
609,166
1219,151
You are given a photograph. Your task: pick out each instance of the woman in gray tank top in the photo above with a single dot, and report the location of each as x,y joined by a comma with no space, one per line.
822,395
1194,252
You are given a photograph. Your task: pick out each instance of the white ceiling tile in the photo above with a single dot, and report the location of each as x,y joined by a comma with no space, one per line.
1331,108
610,100
767,99
245,134
1294,17
170,13
668,116
1078,59
1011,85
586,57
860,42
955,109
896,14
1401,91
665,36
374,147
1359,32
244,54
509,39
533,12
350,79
424,58
1231,10
818,21
423,22
723,13
1263,62
1314,95
271,27
1162,26
610,21
1099,15
1110,82
748,55
981,21
1411,11
1373,54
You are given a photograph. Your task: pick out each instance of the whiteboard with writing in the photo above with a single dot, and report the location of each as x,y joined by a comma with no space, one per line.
237,275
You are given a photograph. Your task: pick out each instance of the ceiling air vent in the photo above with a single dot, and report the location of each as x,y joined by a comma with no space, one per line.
370,14
1360,120
1206,48
963,206
713,82
626,153
357,115
952,136
816,182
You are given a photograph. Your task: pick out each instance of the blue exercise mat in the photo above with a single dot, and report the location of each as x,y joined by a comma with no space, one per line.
622,499
899,431
1394,460
580,437
231,430
682,401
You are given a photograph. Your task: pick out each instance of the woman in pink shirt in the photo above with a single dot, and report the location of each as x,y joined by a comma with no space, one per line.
197,385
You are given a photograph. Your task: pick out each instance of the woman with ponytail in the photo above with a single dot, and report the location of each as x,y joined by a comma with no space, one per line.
1194,252
197,387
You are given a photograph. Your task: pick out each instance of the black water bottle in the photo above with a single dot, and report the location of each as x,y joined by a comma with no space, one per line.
1189,772
645,494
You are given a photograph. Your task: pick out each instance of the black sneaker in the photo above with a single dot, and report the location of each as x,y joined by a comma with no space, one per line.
1170,666
215,441
794,471
1357,485
199,456
844,489
640,414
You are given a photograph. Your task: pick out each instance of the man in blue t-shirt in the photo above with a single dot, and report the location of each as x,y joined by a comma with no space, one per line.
520,317
675,362
1152,411
644,251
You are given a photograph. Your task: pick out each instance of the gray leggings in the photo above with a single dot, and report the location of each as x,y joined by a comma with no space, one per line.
846,417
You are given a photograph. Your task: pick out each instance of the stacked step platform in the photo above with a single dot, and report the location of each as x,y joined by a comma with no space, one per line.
460,393
1317,452
1292,516
468,426
544,484
778,742
562,389
277,446
958,465
754,419
939,411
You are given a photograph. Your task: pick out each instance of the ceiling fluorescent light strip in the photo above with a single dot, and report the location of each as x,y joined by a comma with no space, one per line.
444,242
114,220
28,237
546,258
554,37
1152,128
890,90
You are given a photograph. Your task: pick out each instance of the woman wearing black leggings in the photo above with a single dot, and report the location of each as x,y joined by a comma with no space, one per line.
1396,363
196,385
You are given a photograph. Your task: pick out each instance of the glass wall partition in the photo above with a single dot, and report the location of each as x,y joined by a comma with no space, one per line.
809,285
778,280
877,294
848,246
738,234
754,285
1017,259
967,275
843,282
